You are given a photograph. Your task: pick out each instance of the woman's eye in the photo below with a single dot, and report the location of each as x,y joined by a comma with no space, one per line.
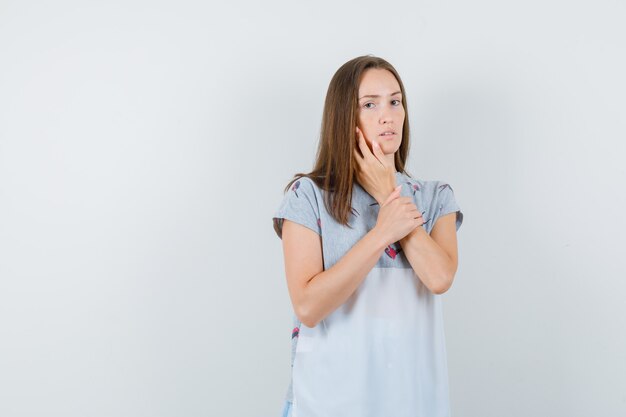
399,104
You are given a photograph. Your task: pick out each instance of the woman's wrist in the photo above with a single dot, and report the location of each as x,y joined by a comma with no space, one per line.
379,237
382,196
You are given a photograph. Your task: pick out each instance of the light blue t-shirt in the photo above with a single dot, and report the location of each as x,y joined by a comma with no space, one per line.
382,353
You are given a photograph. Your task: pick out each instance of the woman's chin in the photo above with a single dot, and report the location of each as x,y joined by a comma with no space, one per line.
387,149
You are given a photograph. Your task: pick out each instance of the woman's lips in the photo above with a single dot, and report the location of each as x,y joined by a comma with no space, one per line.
393,135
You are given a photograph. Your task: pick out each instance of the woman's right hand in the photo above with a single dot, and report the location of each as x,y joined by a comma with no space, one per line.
397,217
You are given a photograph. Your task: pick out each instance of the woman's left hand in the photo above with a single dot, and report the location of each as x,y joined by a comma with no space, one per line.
374,173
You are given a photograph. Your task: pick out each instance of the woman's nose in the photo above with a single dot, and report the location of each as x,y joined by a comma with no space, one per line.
385,115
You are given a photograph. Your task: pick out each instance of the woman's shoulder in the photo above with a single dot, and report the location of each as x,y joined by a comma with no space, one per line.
304,183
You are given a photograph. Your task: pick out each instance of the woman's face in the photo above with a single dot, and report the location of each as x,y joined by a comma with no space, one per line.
381,110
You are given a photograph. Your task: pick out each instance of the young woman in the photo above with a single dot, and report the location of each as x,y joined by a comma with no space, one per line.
368,250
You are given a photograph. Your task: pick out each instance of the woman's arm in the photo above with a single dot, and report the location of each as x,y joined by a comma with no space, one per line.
316,293
434,257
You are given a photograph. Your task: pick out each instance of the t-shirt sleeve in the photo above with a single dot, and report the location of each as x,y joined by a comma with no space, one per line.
300,205
446,203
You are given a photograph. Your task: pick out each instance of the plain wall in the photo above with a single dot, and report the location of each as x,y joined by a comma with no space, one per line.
145,145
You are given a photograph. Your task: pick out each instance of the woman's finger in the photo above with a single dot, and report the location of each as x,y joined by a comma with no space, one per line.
415,214
378,153
358,157
365,150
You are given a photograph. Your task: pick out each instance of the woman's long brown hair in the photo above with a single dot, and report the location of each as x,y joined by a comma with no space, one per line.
335,166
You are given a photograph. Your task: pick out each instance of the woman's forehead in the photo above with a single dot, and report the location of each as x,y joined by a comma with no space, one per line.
377,83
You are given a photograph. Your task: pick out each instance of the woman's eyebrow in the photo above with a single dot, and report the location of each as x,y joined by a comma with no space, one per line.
376,95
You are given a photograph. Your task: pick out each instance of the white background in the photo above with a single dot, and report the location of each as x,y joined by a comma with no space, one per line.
144,146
